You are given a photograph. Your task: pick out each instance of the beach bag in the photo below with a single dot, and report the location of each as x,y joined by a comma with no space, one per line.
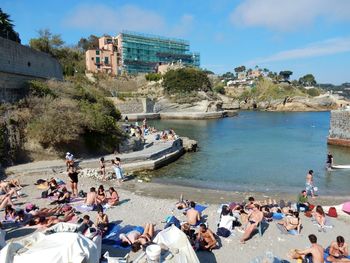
223,232
44,194
332,212
311,207
82,194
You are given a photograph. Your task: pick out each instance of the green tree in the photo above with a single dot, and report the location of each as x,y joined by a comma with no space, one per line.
88,43
240,69
186,80
47,42
228,75
308,80
285,74
7,28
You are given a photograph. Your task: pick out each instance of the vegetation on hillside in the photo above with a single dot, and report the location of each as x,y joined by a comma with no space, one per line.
186,80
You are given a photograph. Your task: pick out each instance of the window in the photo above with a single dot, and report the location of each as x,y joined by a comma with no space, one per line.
97,52
98,60
106,61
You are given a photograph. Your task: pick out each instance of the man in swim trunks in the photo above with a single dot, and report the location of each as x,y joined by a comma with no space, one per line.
205,238
339,251
315,252
330,160
193,216
309,184
90,199
254,219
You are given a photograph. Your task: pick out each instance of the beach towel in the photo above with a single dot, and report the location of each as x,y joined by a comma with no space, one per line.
111,237
326,255
200,208
84,208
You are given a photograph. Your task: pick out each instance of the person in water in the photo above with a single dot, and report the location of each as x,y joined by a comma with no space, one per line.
329,160
309,184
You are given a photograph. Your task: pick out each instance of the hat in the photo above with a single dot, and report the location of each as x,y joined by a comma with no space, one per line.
332,212
68,153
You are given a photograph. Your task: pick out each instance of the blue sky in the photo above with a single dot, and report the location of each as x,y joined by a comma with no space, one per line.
304,36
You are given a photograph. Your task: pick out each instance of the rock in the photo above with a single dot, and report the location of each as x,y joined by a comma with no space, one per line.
189,145
131,145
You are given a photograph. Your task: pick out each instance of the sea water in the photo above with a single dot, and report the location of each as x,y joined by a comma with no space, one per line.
258,151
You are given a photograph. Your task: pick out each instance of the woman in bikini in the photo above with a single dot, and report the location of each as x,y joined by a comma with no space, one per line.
291,222
254,218
101,195
136,239
102,220
103,168
320,216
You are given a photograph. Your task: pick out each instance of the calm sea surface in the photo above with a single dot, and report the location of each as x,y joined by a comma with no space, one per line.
258,151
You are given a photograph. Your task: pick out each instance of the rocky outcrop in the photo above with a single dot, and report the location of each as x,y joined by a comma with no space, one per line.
320,103
165,105
189,145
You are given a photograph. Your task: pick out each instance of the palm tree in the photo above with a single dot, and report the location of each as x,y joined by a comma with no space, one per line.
6,28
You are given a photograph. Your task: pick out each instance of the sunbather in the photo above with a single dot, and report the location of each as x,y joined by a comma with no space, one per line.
113,198
63,197
193,216
5,200
338,251
51,220
315,251
101,195
254,219
291,222
102,220
190,233
136,239
10,213
320,217
205,238
90,199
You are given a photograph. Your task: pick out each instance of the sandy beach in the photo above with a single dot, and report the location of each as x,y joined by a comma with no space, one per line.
149,202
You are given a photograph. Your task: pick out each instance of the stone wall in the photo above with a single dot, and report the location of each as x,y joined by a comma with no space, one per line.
133,105
339,133
19,64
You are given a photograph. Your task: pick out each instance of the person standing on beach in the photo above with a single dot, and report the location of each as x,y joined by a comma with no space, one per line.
69,159
329,160
73,176
309,184
118,170
316,251
103,168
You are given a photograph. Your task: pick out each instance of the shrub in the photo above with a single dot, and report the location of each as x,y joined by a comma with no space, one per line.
40,89
153,76
220,88
313,92
186,80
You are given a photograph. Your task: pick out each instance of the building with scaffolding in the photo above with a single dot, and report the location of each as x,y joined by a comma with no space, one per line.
144,53
133,53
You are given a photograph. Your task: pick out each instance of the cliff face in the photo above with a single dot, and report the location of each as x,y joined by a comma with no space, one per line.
339,132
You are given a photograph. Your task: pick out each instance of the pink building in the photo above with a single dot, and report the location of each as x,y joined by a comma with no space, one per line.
104,59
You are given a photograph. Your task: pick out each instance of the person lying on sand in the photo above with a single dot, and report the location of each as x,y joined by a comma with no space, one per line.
338,251
45,212
193,216
254,219
136,239
43,221
5,200
205,238
291,222
10,213
315,252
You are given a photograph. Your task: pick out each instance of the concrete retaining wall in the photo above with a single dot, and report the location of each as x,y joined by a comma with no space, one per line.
133,105
19,64
339,132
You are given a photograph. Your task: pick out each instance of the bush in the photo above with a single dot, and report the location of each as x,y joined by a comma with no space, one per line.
220,88
153,76
186,80
313,92
40,89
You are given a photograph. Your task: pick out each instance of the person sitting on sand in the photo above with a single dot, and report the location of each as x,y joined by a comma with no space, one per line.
290,222
52,187
309,184
90,199
338,251
315,252
10,213
137,239
85,225
193,216
190,233
205,238
226,219
254,219
102,220
320,217
63,197
303,201
51,220
101,195
113,198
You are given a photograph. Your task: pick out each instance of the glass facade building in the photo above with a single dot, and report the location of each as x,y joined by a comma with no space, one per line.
141,53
